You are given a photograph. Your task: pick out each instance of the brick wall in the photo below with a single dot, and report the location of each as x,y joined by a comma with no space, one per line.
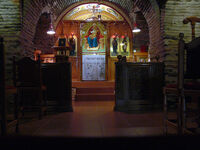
152,17
175,12
42,40
141,38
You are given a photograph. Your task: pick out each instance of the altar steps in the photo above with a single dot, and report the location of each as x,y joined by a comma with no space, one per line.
95,93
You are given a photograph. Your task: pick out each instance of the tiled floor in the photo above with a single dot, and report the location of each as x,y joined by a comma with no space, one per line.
95,119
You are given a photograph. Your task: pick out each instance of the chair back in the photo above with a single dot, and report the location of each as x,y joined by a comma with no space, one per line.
26,72
192,60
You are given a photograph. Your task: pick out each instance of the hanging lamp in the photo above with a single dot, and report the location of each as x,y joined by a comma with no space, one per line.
136,29
51,30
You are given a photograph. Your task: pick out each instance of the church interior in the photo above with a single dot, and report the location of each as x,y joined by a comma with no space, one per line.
114,72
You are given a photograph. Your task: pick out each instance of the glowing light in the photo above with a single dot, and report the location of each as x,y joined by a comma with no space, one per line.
51,30
136,29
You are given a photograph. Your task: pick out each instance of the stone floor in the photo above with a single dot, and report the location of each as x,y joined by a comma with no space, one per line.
95,119
94,125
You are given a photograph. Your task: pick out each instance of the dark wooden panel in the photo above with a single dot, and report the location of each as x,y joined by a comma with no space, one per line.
119,86
2,90
57,78
139,86
192,59
138,79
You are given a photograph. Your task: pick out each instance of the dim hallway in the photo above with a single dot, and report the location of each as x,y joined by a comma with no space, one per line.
95,119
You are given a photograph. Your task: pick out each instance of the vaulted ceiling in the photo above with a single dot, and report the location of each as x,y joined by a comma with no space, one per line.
126,5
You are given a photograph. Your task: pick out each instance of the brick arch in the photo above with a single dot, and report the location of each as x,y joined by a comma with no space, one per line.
119,9
33,11
150,10
35,8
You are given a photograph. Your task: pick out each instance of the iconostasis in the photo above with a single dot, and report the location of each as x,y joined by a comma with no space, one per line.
94,41
120,35
92,35
119,44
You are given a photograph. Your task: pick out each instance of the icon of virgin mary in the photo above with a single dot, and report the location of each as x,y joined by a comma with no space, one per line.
93,37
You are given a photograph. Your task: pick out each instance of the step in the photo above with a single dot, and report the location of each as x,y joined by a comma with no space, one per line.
95,90
92,84
95,96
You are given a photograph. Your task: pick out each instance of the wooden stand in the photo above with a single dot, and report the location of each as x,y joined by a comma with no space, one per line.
61,53
57,78
138,86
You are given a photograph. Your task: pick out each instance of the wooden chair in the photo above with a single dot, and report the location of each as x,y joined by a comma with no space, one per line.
28,81
184,88
7,121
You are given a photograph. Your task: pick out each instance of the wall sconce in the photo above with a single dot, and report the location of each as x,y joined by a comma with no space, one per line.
136,29
51,30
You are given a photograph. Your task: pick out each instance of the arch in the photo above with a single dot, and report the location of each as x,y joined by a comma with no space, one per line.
112,5
59,8
150,10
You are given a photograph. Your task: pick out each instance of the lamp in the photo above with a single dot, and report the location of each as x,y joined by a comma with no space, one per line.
51,30
136,29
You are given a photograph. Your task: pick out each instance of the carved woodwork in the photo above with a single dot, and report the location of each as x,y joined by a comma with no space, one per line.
138,86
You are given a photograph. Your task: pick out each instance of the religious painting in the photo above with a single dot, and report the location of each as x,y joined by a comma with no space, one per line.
114,46
124,46
72,40
93,37
62,42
